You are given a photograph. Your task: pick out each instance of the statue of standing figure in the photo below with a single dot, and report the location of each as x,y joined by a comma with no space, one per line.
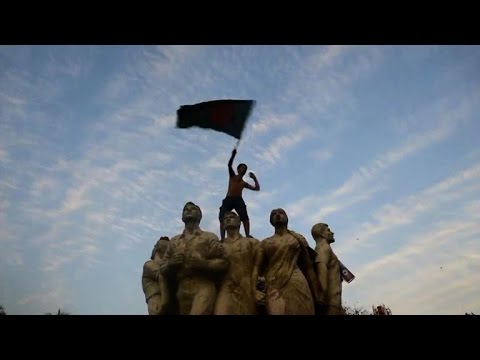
328,269
292,287
194,263
197,274
237,293
153,283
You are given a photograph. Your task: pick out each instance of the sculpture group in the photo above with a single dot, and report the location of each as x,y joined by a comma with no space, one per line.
195,273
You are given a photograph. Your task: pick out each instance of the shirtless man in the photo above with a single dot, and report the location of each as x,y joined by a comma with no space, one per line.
238,289
194,263
234,199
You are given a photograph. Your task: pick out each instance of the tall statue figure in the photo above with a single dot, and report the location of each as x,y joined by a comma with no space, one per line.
153,283
292,287
194,263
238,288
328,269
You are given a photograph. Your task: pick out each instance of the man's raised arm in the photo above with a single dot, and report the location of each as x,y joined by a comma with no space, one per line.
257,184
230,162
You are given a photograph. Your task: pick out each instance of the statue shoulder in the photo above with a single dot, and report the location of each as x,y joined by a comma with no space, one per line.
324,252
253,240
267,240
300,238
174,239
148,265
210,236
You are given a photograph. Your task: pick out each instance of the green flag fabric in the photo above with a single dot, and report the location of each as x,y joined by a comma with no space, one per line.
227,116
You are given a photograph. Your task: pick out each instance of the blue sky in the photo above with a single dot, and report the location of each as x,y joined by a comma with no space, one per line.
380,142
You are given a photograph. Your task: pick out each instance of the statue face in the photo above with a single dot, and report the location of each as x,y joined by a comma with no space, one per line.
191,212
161,247
328,234
231,220
330,237
278,216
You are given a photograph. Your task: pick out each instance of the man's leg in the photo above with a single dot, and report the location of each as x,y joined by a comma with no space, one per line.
246,226
222,230
241,209
226,206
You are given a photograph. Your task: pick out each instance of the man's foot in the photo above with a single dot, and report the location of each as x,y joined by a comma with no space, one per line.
249,236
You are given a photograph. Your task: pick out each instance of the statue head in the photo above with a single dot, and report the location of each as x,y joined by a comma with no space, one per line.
191,212
231,220
160,247
242,169
322,231
278,217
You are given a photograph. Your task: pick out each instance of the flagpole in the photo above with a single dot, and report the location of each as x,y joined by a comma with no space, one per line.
236,145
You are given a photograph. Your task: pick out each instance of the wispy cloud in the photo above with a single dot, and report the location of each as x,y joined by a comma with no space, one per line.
271,121
52,295
405,211
71,61
282,144
322,155
365,179
329,55
12,100
3,155
445,281
391,157
323,82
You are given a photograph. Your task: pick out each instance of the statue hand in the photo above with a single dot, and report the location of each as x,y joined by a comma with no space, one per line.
177,260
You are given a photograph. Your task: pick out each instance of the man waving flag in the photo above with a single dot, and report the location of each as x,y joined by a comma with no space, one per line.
227,116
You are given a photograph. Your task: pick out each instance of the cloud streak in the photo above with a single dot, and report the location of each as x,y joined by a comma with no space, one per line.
364,180
433,273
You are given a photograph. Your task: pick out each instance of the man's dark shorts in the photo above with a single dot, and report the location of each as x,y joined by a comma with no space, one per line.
233,202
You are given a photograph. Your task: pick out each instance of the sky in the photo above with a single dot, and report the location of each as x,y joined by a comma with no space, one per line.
379,142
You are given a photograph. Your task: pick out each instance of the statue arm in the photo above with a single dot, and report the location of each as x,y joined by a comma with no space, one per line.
218,265
165,294
311,277
257,265
149,270
322,270
166,267
215,261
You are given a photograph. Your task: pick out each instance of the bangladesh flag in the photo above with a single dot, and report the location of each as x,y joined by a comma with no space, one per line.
227,116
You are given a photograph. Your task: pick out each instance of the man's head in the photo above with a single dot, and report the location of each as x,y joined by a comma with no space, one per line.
231,220
191,212
278,216
322,231
242,169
